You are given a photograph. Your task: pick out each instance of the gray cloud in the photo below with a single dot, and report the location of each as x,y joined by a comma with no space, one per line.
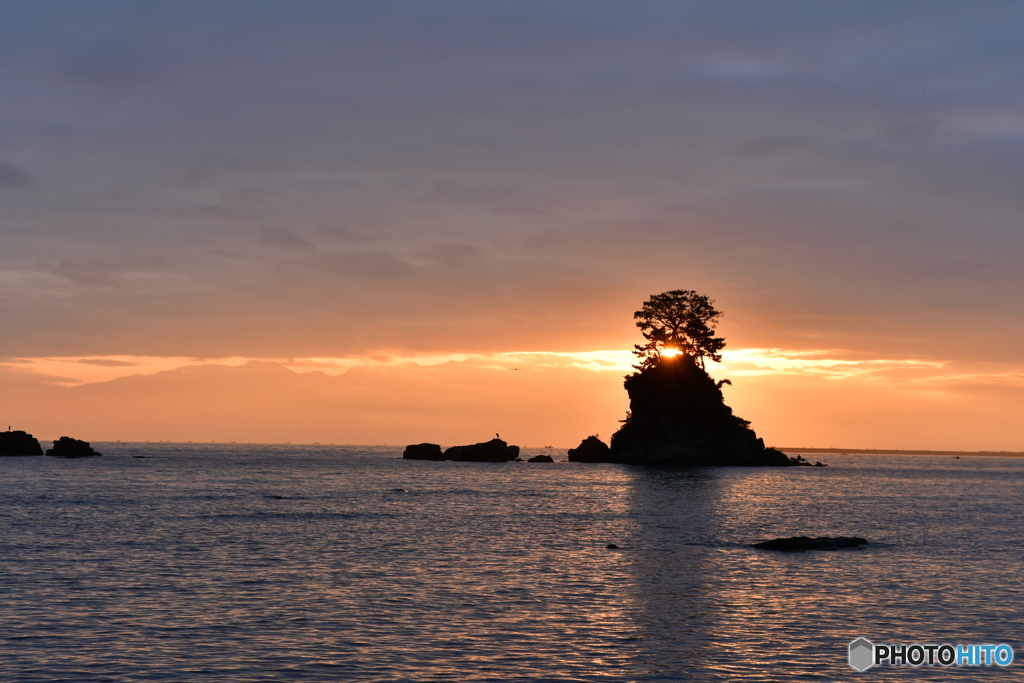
106,362
370,265
281,238
12,176
774,146
115,64
919,132
836,162
510,199
451,255
208,211
105,272
346,234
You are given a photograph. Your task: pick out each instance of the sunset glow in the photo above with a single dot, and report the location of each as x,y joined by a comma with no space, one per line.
831,364
470,219
541,397
520,340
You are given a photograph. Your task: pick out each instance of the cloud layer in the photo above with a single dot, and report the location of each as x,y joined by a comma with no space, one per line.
292,180
807,398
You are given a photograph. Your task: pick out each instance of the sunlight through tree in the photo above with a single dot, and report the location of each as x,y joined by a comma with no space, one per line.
678,322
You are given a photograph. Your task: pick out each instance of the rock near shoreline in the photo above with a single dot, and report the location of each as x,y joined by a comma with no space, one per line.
591,449
800,543
494,450
678,416
66,447
18,442
423,451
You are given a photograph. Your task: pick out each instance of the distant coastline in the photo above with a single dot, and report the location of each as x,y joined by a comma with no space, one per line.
899,451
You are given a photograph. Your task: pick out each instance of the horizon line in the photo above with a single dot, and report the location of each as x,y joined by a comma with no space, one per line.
896,451
801,449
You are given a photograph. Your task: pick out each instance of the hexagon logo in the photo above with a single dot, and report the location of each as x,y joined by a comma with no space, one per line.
862,654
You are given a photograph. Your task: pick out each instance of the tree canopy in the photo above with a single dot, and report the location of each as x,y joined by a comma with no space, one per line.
680,321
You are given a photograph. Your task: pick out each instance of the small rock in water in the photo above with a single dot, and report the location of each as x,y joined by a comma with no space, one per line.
494,450
591,449
66,447
141,457
541,458
612,546
799,543
19,443
399,491
423,451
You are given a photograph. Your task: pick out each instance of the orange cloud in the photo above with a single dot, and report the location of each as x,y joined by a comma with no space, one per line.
793,398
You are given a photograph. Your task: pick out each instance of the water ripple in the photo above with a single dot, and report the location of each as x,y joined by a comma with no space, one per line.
255,563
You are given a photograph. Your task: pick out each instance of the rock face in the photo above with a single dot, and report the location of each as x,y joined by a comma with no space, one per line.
19,443
423,451
678,416
66,447
591,449
494,450
798,543
541,458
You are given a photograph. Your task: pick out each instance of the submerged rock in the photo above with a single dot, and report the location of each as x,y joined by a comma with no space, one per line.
678,416
423,451
799,461
66,447
591,449
541,458
19,443
797,543
494,450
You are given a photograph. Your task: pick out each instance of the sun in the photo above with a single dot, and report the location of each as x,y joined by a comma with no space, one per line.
670,352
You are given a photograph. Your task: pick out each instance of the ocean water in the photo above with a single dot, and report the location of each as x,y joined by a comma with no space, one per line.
289,563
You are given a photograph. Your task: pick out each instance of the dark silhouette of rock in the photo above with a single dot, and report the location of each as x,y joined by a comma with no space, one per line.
612,546
678,416
541,458
799,461
66,447
423,451
591,449
19,443
494,450
799,543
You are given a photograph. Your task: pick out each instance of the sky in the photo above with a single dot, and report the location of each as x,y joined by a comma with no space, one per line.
389,222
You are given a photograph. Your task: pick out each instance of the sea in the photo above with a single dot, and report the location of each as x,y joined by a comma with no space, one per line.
214,562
